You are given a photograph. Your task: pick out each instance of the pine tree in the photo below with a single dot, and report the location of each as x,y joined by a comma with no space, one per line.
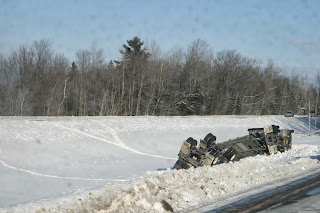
134,50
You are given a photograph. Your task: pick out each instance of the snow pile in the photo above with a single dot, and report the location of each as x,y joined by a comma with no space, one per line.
175,190
184,188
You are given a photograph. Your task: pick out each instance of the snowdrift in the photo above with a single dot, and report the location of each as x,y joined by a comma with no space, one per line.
108,164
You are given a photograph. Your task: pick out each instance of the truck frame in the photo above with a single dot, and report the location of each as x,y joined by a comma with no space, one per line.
259,141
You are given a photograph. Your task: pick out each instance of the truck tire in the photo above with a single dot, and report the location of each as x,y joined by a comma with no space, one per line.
210,138
192,141
230,154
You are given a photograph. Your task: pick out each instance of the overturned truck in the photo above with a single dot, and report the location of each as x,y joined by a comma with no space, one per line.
267,140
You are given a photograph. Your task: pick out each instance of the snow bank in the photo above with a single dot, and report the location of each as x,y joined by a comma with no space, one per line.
175,190
184,188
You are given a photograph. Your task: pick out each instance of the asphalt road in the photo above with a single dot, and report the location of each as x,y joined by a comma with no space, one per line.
307,201
299,196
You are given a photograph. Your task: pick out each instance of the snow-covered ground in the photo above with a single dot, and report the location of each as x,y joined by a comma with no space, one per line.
108,164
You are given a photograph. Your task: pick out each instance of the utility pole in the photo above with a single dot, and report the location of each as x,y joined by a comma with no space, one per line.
315,117
309,120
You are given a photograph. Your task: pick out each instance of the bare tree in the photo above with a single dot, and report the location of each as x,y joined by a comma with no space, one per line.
36,81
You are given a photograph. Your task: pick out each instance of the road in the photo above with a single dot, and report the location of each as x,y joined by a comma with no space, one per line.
307,201
299,196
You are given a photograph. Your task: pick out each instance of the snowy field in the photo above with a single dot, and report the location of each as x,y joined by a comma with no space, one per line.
109,164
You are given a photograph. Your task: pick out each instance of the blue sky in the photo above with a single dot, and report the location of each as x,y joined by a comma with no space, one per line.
286,32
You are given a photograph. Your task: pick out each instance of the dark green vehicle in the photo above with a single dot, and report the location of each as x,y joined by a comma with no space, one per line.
267,140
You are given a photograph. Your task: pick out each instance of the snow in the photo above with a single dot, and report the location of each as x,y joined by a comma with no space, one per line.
108,164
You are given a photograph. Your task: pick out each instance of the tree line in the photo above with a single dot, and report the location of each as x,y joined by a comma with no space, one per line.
36,81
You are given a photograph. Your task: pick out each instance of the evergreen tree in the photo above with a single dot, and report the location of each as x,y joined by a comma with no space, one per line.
134,50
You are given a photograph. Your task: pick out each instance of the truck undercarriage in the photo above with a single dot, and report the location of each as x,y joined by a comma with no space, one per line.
208,152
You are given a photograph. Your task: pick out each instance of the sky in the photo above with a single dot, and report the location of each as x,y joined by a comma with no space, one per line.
285,32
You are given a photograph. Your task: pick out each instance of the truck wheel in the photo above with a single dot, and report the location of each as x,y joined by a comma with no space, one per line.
230,154
210,138
281,148
192,141
215,161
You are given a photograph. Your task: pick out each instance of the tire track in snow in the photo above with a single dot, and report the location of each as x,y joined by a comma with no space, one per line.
60,177
118,142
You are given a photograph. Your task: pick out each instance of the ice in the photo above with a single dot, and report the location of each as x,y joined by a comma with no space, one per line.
314,191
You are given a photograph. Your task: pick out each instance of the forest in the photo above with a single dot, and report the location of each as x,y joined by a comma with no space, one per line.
36,81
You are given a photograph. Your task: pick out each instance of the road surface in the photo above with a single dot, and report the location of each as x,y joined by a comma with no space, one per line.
302,195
